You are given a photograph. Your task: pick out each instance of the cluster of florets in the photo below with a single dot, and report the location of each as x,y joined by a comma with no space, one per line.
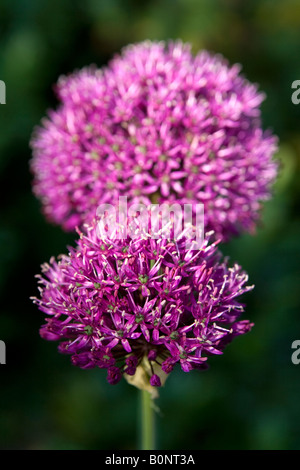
156,125
115,302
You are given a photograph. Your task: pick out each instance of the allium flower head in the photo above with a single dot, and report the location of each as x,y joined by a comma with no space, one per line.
141,305
157,125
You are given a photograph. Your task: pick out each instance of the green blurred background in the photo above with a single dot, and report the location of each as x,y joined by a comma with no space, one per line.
249,398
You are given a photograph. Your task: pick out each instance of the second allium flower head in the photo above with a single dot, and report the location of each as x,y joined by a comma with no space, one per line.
157,125
143,304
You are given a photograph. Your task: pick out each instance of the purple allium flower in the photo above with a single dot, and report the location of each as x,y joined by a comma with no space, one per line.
119,303
156,125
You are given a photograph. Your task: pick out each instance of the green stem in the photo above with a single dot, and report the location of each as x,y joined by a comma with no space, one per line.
147,424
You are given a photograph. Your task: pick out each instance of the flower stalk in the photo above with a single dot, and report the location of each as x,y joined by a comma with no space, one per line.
147,421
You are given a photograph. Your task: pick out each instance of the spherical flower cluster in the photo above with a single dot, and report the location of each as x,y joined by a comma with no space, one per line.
119,303
158,124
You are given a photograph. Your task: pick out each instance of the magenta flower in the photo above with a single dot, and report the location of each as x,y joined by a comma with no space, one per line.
157,125
145,304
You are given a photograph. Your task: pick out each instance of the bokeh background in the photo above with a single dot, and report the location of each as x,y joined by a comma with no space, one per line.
249,398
